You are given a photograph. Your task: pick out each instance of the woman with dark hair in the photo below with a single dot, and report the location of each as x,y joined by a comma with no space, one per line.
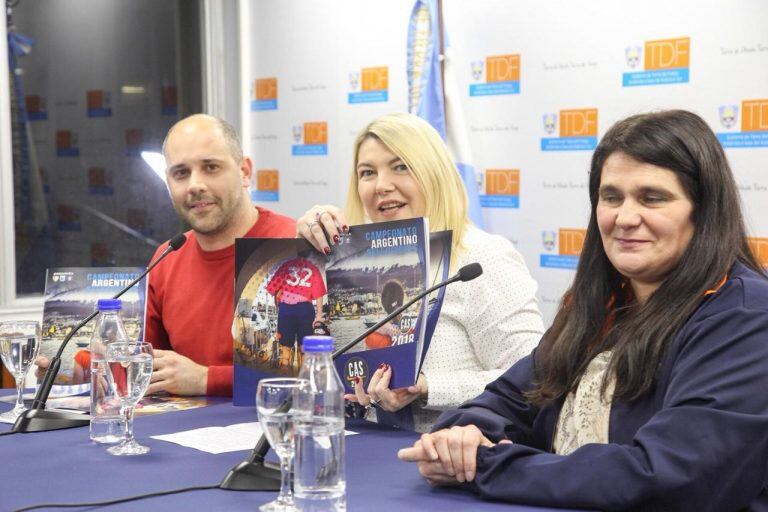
649,389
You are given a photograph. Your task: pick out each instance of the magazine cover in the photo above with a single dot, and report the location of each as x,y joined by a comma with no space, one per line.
285,290
149,404
71,294
440,243
280,294
373,271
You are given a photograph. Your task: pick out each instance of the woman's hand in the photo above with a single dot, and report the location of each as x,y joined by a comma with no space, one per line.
379,394
448,456
319,221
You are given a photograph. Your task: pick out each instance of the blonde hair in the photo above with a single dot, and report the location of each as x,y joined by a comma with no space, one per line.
422,149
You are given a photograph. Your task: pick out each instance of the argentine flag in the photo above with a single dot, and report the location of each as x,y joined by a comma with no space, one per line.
429,100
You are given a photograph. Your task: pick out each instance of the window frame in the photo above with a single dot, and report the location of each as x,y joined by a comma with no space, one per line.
11,306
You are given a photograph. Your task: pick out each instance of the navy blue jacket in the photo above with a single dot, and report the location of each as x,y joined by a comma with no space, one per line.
698,441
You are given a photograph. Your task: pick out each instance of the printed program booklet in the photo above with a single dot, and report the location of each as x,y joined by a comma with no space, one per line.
71,294
149,404
285,289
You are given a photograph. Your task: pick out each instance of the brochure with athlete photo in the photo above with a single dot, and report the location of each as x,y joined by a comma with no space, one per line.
285,290
149,404
280,294
71,294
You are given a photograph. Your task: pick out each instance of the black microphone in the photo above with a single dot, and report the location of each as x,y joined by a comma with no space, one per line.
36,418
465,273
254,474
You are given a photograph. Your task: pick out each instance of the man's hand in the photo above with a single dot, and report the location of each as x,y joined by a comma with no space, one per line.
42,363
448,456
177,374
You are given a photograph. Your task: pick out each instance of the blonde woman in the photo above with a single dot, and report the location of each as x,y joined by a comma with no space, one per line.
402,169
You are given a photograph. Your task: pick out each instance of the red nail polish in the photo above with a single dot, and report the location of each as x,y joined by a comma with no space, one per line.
383,366
327,250
386,367
345,228
336,239
357,380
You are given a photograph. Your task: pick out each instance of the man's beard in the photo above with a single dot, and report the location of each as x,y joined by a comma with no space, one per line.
214,221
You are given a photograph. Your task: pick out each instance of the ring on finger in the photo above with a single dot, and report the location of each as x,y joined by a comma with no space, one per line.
373,403
310,224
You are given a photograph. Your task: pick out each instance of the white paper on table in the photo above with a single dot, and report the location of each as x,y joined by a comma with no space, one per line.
232,438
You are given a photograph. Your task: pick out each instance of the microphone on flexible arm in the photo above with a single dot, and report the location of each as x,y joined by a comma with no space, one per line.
36,418
254,474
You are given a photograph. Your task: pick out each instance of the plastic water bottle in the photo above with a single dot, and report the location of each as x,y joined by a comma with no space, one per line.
319,481
107,425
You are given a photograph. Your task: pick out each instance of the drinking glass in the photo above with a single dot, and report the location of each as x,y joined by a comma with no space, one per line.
279,402
19,343
129,370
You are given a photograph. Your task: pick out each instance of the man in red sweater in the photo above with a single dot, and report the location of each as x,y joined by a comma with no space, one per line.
190,300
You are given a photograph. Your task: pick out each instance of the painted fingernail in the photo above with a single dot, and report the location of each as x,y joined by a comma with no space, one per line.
345,228
383,366
327,250
386,367
357,380
336,239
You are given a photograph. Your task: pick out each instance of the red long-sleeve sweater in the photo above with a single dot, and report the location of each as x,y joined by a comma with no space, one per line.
190,301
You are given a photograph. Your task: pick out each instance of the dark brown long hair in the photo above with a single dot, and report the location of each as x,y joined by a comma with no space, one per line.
683,143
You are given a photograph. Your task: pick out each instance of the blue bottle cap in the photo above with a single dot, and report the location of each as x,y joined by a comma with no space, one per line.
317,344
110,304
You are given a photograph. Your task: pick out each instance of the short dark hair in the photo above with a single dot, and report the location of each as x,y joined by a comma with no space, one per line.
683,143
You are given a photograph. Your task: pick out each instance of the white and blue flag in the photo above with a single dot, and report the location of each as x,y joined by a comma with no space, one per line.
438,105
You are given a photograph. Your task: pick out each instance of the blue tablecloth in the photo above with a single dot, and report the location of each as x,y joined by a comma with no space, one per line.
64,466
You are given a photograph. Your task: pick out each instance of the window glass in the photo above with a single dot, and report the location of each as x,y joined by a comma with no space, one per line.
93,85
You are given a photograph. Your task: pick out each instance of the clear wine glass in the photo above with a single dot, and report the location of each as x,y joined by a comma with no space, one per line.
278,402
129,370
19,343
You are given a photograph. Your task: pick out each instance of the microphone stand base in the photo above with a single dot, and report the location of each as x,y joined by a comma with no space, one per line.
41,420
252,476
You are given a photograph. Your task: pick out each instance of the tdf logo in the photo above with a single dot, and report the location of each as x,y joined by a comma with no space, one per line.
314,137
502,75
577,130
759,247
754,124
267,187
665,61
502,189
264,94
562,248
369,85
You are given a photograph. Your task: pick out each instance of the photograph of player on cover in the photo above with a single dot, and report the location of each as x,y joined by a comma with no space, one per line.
392,295
295,286
280,304
365,289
